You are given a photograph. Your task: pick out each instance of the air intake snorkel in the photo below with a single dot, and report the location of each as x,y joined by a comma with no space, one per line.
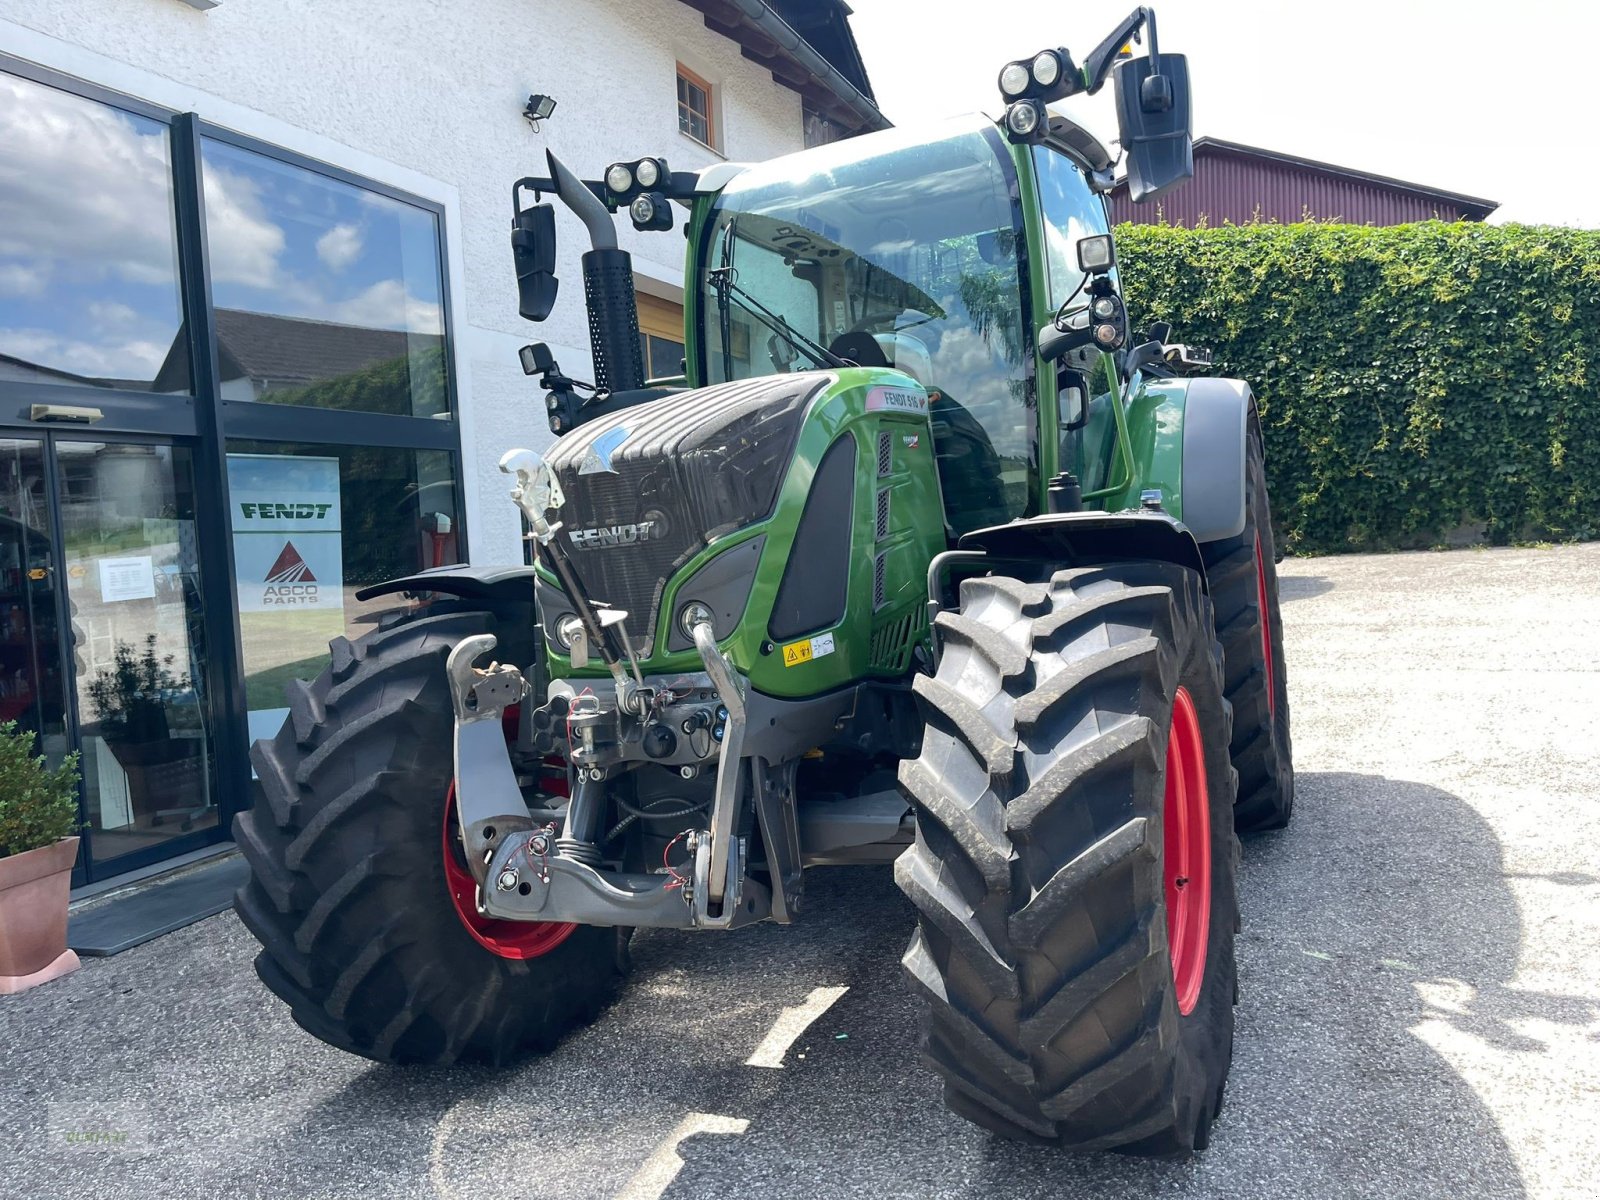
607,287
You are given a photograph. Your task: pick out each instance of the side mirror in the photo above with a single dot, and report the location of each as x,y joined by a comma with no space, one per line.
533,250
1154,123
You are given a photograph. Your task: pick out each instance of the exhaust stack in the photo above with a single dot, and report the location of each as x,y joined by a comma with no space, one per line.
607,288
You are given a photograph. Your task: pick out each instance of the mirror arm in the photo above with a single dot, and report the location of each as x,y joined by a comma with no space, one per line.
1104,56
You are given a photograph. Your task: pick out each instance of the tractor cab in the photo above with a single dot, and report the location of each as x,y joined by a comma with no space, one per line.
901,250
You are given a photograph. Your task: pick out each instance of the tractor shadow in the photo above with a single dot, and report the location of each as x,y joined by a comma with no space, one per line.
1302,587
1382,913
1384,910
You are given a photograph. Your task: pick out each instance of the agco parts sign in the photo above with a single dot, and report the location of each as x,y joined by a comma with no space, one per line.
286,542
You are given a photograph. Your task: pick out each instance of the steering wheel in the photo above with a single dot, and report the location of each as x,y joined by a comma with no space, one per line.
859,347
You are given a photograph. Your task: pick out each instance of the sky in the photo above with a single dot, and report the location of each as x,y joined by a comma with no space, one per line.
1497,100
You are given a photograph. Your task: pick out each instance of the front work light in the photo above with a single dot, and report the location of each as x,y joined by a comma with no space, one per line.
619,179
1014,80
1096,255
650,211
1048,75
1024,118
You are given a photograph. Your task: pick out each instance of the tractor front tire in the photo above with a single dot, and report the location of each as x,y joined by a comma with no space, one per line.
1243,576
356,892
1074,863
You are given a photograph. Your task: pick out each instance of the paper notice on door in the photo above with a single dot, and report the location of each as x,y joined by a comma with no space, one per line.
127,579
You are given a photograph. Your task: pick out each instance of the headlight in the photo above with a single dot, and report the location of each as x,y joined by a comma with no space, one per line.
647,172
1103,308
1046,68
692,614
619,178
643,209
567,630
1108,337
1022,118
1013,79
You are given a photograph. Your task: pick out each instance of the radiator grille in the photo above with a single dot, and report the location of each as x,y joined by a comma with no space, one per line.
878,574
687,467
883,514
885,453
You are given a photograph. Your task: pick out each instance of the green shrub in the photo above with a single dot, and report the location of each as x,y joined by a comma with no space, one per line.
38,806
1413,380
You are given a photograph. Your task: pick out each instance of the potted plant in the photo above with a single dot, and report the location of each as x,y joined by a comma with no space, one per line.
38,843
131,700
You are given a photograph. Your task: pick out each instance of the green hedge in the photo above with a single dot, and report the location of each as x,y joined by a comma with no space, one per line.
1413,380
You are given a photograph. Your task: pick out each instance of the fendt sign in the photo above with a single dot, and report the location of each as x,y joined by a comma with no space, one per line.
287,546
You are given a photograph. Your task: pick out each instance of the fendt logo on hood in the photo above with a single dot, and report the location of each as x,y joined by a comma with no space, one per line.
615,535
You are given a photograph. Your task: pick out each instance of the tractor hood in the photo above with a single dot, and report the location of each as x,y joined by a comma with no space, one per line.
649,487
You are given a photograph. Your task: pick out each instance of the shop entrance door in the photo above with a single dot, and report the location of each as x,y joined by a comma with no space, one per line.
102,645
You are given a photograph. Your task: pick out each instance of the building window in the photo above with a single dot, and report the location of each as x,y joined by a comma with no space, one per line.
660,337
88,244
694,108
326,294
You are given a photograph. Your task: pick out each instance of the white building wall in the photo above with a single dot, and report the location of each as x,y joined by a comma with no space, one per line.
426,96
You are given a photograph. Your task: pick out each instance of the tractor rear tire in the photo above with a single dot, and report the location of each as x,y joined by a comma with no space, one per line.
1243,575
350,892
1060,1006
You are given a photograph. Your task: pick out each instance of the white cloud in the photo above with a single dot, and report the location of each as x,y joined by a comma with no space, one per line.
110,312
387,305
83,184
134,358
244,242
340,246
18,280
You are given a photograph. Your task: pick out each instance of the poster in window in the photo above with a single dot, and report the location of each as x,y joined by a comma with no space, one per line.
287,549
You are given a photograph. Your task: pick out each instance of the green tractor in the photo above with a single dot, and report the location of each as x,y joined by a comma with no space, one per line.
924,560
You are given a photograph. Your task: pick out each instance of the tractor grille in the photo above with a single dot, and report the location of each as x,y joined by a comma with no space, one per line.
684,469
892,644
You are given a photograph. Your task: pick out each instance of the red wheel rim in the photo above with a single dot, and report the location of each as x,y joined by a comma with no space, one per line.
508,939
1266,629
1186,852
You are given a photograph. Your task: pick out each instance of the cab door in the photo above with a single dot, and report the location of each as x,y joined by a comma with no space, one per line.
1075,394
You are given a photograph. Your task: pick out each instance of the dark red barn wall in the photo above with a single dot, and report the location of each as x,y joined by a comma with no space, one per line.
1229,187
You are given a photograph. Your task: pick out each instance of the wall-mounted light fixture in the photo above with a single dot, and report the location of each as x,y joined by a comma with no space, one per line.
538,108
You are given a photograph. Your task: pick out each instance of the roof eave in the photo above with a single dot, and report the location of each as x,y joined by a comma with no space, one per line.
767,39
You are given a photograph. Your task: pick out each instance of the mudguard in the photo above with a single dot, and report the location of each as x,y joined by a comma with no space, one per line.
495,585
1216,418
1084,539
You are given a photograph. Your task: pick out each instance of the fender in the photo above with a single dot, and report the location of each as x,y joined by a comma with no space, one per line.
1084,539
497,584
1216,419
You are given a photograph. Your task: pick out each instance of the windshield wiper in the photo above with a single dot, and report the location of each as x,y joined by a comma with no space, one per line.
724,280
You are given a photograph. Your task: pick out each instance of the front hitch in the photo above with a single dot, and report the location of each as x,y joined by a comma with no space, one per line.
489,804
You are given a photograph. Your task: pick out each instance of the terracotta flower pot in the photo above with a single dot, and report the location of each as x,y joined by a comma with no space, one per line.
34,887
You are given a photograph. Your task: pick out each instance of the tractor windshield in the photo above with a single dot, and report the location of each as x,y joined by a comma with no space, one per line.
887,250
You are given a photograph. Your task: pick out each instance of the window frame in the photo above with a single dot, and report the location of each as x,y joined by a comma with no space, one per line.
204,423
685,75
254,419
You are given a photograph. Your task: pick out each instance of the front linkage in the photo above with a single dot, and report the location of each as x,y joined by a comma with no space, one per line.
525,871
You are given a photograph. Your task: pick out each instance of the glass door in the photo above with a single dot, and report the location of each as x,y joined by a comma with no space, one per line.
32,668
129,556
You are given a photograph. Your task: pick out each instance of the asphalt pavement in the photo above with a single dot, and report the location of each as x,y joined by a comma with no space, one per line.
1419,1012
